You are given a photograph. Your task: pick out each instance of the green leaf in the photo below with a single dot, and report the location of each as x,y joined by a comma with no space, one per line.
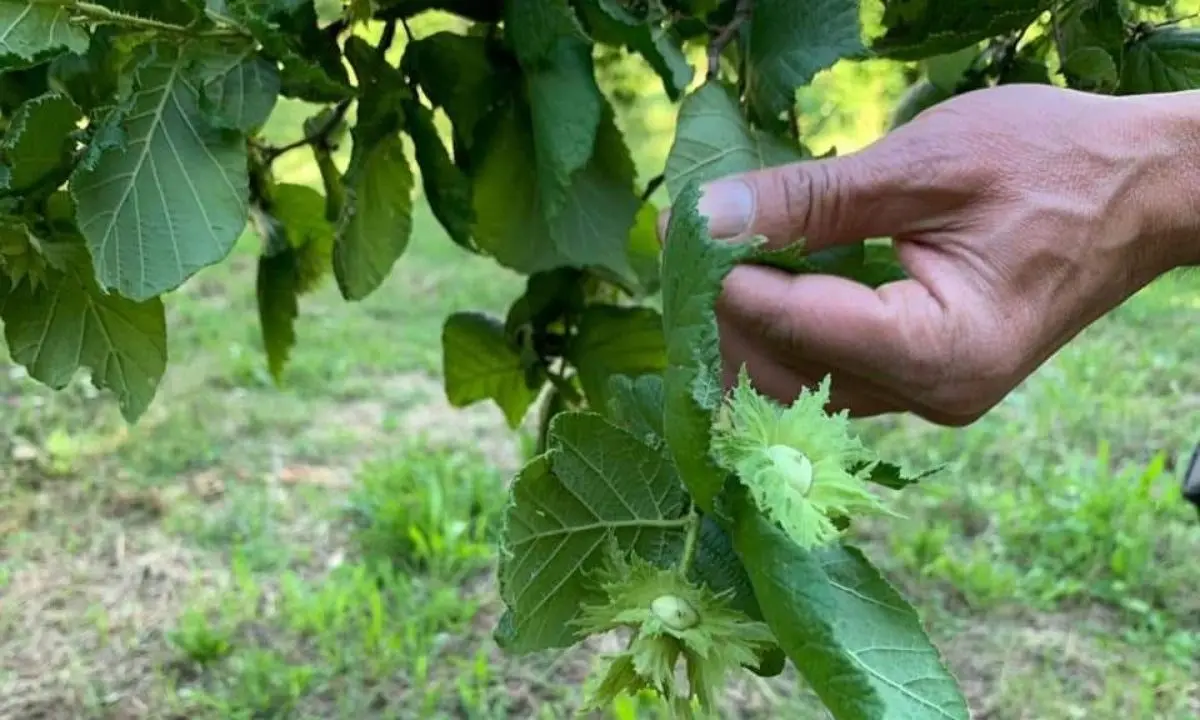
376,218
1091,68
790,42
636,405
239,87
91,79
68,323
38,140
894,477
918,98
596,482
480,362
857,642
1162,60
1091,38
644,250
612,23
713,140
917,29
590,231
311,61
536,27
174,199
278,307
446,187
32,32
694,267
615,341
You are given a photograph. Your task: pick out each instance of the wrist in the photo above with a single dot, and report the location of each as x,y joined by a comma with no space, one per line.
1168,141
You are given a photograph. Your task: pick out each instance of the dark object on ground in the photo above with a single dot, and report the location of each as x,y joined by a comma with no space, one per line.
1191,479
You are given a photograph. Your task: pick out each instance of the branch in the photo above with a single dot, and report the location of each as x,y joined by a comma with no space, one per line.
320,135
101,14
741,14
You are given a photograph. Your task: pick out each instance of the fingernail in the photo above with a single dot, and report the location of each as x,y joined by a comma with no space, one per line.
729,207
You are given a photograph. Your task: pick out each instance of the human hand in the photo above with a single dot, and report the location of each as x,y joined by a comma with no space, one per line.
1021,213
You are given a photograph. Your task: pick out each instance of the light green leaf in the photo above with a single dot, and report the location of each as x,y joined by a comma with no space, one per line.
612,341
611,23
713,140
68,324
239,88
480,363
790,42
694,267
446,187
1163,60
31,32
1091,68
38,140
566,107
917,29
174,199
857,642
596,482
377,219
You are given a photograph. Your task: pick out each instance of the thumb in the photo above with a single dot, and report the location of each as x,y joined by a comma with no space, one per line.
892,187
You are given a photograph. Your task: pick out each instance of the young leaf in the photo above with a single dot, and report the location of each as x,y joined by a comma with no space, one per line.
68,323
32,32
694,266
790,42
612,23
615,341
446,187
38,140
713,139
1162,60
596,482
239,90
481,363
917,29
857,642
174,199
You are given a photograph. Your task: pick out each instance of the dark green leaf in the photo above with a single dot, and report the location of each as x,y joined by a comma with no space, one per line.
857,642
895,477
1091,39
694,267
548,298
174,199
68,323
612,23
480,362
480,10
38,141
790,42
535,28
310,59
713,140
636,404
91,79
31,32
1091,68
446,187
1162,60
918,98
644,250
596,482
615,341
239,88
917,29
278,307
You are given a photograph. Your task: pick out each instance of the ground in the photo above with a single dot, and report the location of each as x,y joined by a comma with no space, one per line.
323,548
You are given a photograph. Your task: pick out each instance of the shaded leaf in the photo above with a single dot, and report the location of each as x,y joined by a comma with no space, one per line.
917,29
38,140
536,27
446,187
31,32
480,363
239,90
636,404
1163,60
615,341
612,23
596,482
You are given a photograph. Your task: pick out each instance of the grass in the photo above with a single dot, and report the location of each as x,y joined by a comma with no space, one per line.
324,549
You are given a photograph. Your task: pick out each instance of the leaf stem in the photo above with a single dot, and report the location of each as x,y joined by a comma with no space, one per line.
689,542
320,135
741,13
102,14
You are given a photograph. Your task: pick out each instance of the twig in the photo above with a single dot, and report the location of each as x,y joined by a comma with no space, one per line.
741,13
102,14
320,135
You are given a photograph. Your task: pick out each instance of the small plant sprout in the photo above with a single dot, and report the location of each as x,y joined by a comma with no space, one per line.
670,618
801,465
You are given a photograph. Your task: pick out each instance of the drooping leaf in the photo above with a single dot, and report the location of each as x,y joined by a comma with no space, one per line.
612,341
536,27
612,22
1091,41
1163,60
857,642
481,363
278,307
31,32
376,219
238,89
596,482
916,29
446,187
694,266
38,141
310,60
68,323
713,140
1091,68
174,198
790,42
